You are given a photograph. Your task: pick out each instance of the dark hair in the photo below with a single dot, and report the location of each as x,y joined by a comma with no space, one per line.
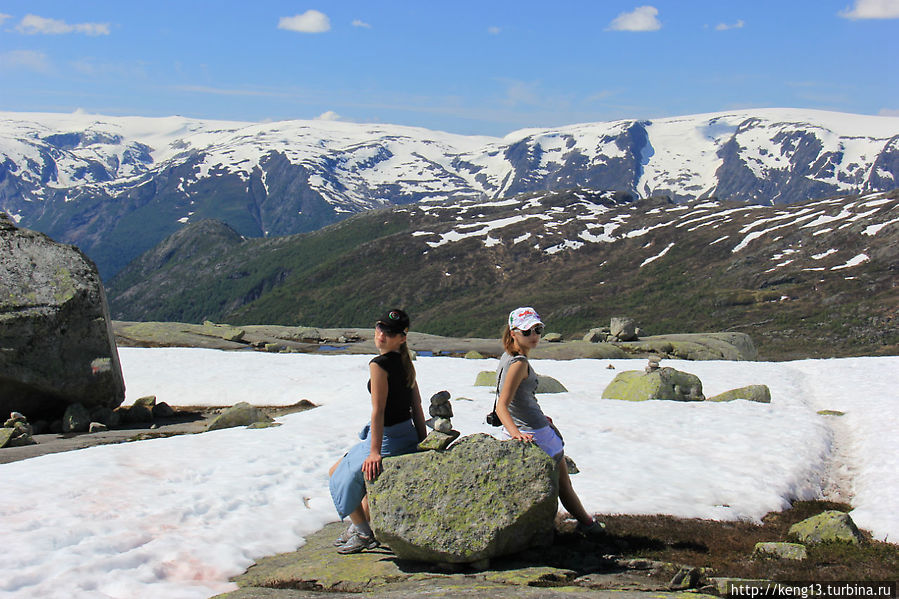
509,341
406,359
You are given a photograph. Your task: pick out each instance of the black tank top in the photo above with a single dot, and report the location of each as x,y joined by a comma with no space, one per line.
399,394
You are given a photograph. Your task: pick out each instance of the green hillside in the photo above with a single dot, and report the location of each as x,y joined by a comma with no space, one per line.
661,263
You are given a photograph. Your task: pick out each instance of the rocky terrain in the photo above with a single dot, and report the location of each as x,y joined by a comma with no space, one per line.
274,338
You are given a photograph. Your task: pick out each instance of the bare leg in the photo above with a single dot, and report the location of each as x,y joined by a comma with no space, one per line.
358,515
570,500
365,509
334,467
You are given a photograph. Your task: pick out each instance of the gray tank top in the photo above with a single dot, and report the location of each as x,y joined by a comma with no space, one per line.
525,411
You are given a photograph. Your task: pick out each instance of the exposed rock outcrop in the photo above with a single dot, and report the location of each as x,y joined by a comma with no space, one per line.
436,507
696,346
56,341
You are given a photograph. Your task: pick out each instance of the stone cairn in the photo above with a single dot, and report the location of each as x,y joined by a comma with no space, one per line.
653,365
442,434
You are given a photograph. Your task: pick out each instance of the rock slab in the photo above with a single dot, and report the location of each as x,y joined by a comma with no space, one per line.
480,499
756,393
793,551
240,414
56,341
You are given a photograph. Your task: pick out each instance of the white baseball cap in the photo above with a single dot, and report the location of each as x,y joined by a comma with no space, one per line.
524,318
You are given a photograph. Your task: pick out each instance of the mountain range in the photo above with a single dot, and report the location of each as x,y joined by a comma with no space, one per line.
118,186
813,278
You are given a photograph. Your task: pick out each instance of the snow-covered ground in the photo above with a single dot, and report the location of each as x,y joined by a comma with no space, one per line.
177,517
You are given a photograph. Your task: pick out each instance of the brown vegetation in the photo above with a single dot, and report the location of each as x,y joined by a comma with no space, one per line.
727,547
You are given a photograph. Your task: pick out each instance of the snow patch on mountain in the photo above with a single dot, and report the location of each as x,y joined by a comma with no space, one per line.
559,226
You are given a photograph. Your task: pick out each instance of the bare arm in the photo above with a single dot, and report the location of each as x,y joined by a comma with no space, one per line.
371,467
418,415
518,371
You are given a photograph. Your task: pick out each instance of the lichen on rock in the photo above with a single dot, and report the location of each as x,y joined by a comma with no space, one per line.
663,383
479,499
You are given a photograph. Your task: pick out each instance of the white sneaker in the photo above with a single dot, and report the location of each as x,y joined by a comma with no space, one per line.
344,536
357,542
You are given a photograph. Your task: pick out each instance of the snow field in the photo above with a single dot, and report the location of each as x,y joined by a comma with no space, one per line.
176,517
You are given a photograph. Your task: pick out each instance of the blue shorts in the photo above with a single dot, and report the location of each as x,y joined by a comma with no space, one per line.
547,439
347,484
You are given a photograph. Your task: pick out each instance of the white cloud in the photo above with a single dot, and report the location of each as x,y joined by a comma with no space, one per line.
494,30
328,116
872,9
724,26
888,112
24,59
520,93
361,23
4,17
311,21
600,95
34,24
642,18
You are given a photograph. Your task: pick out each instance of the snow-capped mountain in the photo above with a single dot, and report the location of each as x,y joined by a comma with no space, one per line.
116,186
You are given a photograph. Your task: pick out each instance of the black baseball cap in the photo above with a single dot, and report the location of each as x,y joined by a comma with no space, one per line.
395,321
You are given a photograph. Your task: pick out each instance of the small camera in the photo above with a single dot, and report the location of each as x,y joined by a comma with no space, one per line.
493,419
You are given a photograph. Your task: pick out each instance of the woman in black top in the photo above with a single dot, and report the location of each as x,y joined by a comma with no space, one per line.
397,425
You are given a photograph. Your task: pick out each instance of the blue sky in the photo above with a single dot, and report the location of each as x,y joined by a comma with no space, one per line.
486,67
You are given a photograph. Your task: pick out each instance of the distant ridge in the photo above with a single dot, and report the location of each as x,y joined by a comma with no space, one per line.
117,186
812,279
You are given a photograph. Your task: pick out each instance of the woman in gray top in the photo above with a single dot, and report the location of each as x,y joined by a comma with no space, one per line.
518,410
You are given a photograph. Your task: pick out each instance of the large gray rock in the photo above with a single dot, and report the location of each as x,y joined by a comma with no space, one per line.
623,328
664,383
827,526
448,507
56,342
545,384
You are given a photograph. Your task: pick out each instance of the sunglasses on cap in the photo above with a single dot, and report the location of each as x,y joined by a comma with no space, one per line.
390,333
538,329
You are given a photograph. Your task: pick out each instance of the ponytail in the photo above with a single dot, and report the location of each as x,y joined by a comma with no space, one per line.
509,341
406,359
